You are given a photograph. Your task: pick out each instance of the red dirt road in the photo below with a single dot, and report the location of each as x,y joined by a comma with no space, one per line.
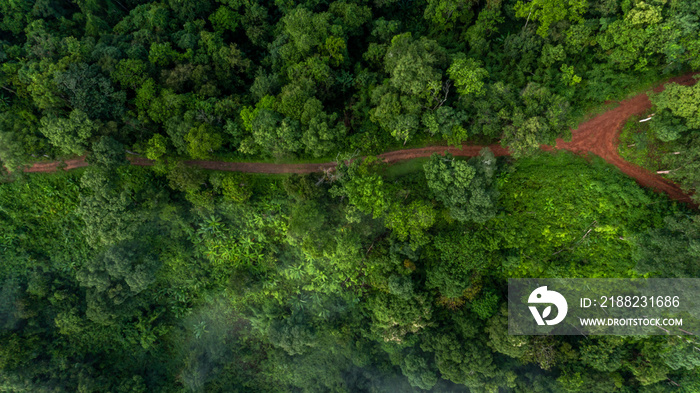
599,135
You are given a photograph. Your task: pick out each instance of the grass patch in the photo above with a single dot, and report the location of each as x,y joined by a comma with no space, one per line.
405,167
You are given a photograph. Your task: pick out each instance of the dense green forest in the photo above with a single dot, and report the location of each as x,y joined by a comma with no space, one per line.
280,80
370,278
370,281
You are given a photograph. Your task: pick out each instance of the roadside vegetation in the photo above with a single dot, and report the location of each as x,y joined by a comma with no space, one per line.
367,278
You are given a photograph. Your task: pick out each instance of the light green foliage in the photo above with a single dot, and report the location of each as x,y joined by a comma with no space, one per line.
396,113
145,96
12,155
234,186
71,134
444,13
107,152
310,229
468,76
336,49
366,278
166,106
161,54
293,98
605,353
248,114
462,257
548,12
687,166
681,352
395,318
643,33
35,216
272,133
157,146
411,221
627,44
502,342
317,69
364,186
568,76
486,305
649,367
449,279
668,128
681,101
467,362
466,189
225,19
425,309
552,54
321,136
644,14
230,245
306,31
675,125
202,141
413,65
415,82
105,210
130,73
568,214
275,135
541,120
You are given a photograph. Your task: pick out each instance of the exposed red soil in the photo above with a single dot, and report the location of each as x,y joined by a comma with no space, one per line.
599,135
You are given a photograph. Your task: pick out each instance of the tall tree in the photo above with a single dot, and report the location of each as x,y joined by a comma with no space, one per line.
466,188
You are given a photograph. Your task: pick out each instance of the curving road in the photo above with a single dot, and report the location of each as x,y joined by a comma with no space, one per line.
598,135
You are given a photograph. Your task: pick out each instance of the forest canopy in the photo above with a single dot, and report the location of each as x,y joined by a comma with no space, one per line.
303,80
365,278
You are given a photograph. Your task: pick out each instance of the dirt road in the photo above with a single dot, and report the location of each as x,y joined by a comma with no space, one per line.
598,135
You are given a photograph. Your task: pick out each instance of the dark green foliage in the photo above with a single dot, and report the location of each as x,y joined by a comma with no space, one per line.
234,186
90,92
301,187
327,77
364,186
671,250
676,125
467,189
69,135
107,152
273,285
120,279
